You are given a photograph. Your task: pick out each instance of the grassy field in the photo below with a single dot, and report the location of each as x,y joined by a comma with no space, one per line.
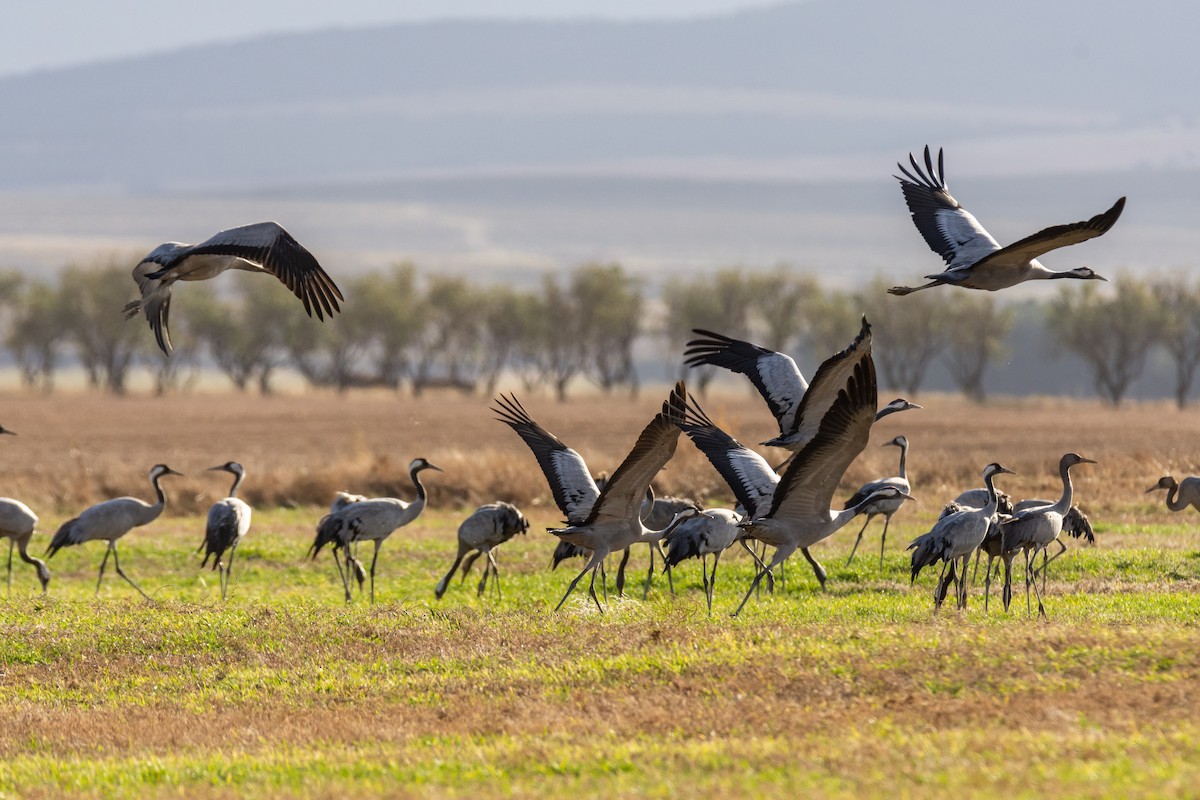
284,690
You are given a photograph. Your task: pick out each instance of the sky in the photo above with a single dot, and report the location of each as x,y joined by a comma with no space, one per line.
61,33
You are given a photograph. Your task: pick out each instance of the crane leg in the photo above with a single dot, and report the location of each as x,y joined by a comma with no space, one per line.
590,566
712,580
11,543
818,570
337,562
470,562
103,562
592,592
649,575
442,585
604,582
858,541
759,562
962,581
374,558
753,585
887,519
987,581
1006,593
121,572
1041,608
483,579
621,573
228,572
939,591
1028,605
495,575
666,567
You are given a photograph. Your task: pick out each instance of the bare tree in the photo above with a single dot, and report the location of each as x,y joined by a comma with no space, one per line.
833,320
784,300
909,332
243,332
37,333
1112,333
1179,303
609,305
390,307
451,349
977,328
723,303
105,342
509,328
558,352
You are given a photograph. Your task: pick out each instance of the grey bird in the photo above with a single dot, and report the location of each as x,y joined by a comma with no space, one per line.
884,508
111,520
488,527
371,520
18,524
974,260
710,534
1033,530
261,247
228,522
1180,494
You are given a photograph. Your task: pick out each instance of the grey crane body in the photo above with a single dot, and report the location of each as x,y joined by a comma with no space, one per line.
601,521
973,258
260,247
887,507
710,534
488,527
1180,494
18,524
1033,530
370,520
954,537
111,520
228,522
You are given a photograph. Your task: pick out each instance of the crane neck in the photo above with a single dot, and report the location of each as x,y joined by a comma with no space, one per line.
42,570
415,476
1174,502
904,460
1064,502
158,492
237,482
993,502
649,535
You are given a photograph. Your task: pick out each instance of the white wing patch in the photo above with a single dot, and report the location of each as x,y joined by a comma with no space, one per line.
579,491
785,386
968,238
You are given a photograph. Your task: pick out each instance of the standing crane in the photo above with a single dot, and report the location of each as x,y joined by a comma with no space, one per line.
111,520
488,527
372,520
1034,530
711,533
954,537
1180,494
228,522
886,508
793,511
17,524
974,260
601,521
261,247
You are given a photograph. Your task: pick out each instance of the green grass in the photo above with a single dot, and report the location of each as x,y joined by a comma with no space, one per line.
862,690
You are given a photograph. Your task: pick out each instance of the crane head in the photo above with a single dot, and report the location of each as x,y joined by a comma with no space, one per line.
1165,482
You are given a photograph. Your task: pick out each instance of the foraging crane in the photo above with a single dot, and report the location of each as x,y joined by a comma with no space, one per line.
974,260
228,522
1180,494
261,247
886,508
1034,530
953,538
711,533
602,521
343,499
976,499
797,406
111,520
793,511
17,524
488,527
372,520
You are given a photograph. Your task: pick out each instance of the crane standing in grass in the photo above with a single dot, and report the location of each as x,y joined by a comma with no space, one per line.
886,508
372,520
228,522
17,524
710,534
1180,494
488,527
111,520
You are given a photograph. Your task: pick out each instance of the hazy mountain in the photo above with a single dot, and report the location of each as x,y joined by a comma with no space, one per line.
818,91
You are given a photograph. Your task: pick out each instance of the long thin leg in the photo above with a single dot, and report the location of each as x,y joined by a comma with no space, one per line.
1041,608
818,570
487,569
712,580
604,581
1028,605
11,544
579,577
444,583
1006,594
103,562
975,571
887,520
987,581
117,564
491,557
374,558
858,541
753,585
468,564
621,573
649,574
666,567
962,581
228,572
592,592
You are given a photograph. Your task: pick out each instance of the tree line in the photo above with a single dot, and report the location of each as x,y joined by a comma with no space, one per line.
423,331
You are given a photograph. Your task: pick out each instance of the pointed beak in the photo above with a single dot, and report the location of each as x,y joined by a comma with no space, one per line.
211,469
173,472
1102,278
1083,460
1008,471
6,430
431,466
1153,488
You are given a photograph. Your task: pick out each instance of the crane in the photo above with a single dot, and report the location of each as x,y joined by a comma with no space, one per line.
488,527
111,520
956,536
261,247
974,260
711,533
17,524
228,522
886,508
371,520
1180,494
601,521
1034,530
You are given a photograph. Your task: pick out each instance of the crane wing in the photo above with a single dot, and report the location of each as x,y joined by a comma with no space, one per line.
570,481
269,246
775,375
1017,254
622,495
747,473
806,488
949,229
831,377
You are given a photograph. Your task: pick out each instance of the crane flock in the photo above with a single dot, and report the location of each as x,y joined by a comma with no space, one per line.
823,425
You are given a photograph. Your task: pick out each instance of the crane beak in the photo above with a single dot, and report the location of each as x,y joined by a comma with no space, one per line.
210,469
1153,488
172,472
1083,460
431,466
6,430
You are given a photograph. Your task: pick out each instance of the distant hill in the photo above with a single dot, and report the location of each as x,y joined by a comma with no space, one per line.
822,91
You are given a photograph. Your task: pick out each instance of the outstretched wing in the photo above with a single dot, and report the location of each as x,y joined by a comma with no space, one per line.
269,246
775,375
949,229
1019,253
806,488
747,473
624,492
570,481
